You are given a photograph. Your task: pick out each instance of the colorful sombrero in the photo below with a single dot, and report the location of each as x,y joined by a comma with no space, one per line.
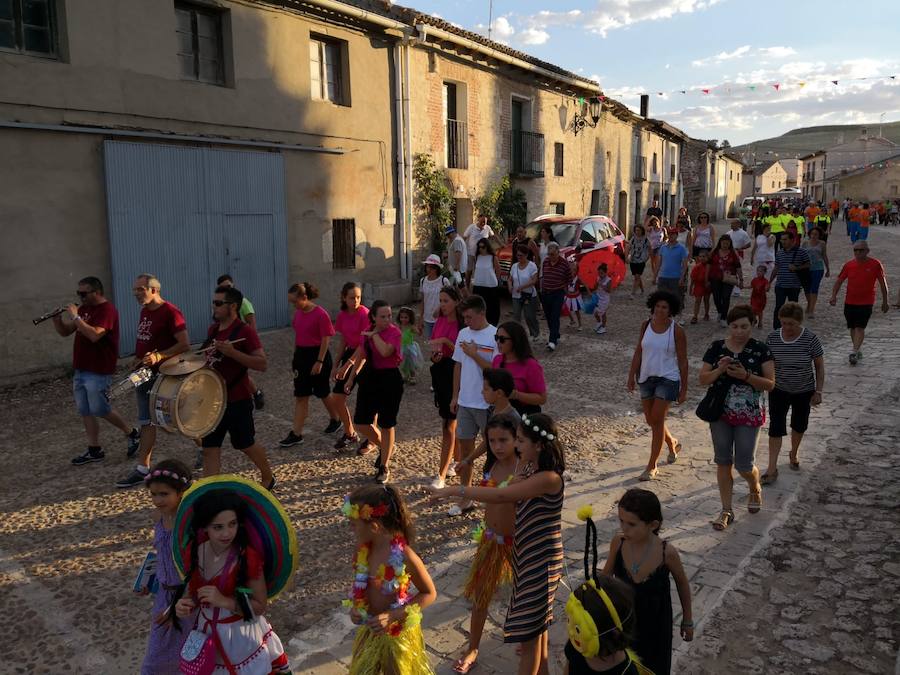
269,529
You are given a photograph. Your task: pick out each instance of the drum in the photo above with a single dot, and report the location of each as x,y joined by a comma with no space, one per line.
191,404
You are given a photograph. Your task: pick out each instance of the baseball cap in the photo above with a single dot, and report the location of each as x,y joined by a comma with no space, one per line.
450,230
432,259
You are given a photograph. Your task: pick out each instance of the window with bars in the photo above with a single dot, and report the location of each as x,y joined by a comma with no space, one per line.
343,243
558,208
28,27
201,51
558,159
326,70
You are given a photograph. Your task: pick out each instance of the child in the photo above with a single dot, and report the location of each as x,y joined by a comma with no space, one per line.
573,297
537,493
226,581
644,561
166,482
601,297
491,565
412,354
389,638
760,286
700,288
497,388
601,619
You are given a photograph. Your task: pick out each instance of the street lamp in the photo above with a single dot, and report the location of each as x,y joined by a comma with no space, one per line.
588,116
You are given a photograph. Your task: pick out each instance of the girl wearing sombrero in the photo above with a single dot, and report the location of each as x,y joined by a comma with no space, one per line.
237,550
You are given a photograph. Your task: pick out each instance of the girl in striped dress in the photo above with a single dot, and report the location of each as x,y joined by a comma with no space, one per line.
537,543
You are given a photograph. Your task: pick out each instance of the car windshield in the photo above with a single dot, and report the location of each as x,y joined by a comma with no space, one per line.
563,233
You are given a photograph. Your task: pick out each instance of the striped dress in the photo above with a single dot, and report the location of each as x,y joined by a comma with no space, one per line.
537,567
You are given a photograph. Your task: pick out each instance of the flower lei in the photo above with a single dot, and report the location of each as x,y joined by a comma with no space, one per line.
534,427
156,473
364,512
394,581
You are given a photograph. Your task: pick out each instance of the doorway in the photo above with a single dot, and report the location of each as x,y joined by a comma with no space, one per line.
622,214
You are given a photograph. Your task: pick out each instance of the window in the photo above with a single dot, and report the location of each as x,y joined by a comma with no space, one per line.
588,234
730,174
343,243
200,45
655,169
558,159
595,202
28,26
671,172
558,208
608,162
326,70
773,184
457,139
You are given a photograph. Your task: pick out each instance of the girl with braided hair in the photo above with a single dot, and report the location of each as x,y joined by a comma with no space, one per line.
225,586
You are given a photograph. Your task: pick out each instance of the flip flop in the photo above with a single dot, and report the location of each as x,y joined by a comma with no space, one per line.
673,454
463,666
768,478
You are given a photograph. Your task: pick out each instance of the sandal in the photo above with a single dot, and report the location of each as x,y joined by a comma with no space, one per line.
674,452
795,464
754,501
648,475
724,520
694,319
768,478
463,665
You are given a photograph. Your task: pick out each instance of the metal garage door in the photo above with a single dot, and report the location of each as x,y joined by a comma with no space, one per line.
188,215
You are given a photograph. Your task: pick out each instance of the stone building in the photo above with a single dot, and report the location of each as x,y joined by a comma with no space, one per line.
877,181
764,179
812,168
712,180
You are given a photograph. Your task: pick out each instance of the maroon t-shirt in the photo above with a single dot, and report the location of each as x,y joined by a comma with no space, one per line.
100,356
157,328
239,387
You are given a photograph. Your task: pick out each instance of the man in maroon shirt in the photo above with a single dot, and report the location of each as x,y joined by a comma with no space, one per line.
94,356
232,361
161,334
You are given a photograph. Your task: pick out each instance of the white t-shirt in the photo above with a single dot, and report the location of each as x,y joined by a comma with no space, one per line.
484,274
458,244
521,277
473,235
739,239
471,379
764,254
431,296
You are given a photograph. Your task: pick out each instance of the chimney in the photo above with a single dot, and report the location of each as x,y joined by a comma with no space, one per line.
645,105
864,133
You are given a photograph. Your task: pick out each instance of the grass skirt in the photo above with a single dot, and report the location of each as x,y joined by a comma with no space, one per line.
401,655
491,567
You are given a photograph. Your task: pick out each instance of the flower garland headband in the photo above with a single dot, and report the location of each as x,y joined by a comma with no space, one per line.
168,474
534,427
365,511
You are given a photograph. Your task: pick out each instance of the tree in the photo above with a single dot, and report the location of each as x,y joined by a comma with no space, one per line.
725,144
503,204
434,202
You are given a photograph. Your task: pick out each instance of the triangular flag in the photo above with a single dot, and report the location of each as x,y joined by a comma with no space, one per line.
705,91
659,93
752,87
834,82
777,86
801,84
684,91
891,76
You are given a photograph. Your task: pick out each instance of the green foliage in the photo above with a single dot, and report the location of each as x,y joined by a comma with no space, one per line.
434,202
503,204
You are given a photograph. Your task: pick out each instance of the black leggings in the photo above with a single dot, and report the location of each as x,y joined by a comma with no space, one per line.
721,293
491,296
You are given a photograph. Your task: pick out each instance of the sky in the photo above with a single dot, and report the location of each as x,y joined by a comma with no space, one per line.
738,50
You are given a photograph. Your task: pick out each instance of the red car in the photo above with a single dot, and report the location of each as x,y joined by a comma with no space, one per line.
588,241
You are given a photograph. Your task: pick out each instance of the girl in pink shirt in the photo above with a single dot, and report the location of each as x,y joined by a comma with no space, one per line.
530,392
351,321
442,343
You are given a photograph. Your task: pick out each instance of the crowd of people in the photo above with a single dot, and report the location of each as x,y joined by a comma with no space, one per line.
489,391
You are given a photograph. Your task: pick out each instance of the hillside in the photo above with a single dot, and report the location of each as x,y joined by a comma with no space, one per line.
799,142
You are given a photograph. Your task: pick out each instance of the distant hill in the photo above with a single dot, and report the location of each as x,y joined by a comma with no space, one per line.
799,142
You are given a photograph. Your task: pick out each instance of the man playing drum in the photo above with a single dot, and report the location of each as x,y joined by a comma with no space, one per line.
161,333
248,316
94,354
232,362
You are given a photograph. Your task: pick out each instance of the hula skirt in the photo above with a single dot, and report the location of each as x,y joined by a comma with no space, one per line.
491,567
401,655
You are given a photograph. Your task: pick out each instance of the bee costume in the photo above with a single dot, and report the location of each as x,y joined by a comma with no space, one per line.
585,635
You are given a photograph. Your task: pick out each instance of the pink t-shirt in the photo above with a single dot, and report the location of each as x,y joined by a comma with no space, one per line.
310,327
528,375
351,325
444,328
392,336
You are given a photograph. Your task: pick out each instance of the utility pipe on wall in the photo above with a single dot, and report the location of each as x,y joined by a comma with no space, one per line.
401,158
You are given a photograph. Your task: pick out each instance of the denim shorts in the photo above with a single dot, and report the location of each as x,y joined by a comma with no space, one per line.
91,393
734,445
142,394
659,387
469,421
815,280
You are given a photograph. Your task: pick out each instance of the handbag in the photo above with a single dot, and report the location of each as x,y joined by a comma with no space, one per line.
730,279
712,405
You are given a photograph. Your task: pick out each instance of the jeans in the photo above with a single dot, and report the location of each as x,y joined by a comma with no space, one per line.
553,304
721,293
734,445
782,295
91,393
528,304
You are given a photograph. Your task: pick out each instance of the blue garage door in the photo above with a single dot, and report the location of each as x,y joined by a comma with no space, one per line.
188,215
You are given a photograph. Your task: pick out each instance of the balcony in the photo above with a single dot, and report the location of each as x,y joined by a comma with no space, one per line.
640,169
526,154
457,145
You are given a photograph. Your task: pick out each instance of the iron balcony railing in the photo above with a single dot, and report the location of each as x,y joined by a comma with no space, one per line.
457,145
526,154
640,169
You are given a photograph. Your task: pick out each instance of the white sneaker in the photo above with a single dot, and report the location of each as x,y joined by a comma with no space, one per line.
451,472
601,330
723,323
437,483
551,346
454,510
736,292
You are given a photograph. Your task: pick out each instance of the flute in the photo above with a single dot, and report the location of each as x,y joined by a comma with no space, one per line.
48,315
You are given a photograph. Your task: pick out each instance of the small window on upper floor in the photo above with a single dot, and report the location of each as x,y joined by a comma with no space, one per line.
201,47
29,27
558,159
328,76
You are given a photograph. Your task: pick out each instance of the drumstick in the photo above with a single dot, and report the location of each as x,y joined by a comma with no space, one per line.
227,342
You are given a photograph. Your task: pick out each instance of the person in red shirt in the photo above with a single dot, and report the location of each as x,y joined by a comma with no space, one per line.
861,275
161,334
94,354
759,287
232,361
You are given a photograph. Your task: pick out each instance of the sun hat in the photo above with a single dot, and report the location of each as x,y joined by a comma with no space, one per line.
432,259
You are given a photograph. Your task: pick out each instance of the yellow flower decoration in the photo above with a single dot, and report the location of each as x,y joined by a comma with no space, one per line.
585,512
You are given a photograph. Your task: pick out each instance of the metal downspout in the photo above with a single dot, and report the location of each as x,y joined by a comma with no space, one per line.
401,159
407,120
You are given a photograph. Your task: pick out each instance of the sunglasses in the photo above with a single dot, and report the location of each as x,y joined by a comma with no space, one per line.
219,303
83,294
502,338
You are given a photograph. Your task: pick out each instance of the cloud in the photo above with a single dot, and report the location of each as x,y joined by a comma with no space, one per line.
762,53
501,30
533,36
614,14
722,56
775,52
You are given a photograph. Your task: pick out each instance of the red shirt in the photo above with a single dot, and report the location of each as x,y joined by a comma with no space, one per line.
157,328
443,328
528,375
861,278
759,289
698,274
351,325
237,379
392,336
100,356
721,265
555,277
310,327
229,584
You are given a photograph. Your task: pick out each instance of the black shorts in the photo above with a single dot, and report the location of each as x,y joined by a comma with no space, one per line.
857,315
380,393
306,384
339,384
442,383
637,269
779,402
237,423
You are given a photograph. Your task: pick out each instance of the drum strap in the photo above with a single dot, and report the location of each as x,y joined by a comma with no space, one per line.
211,336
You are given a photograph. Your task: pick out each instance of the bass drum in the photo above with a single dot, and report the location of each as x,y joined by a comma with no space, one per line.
192,404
